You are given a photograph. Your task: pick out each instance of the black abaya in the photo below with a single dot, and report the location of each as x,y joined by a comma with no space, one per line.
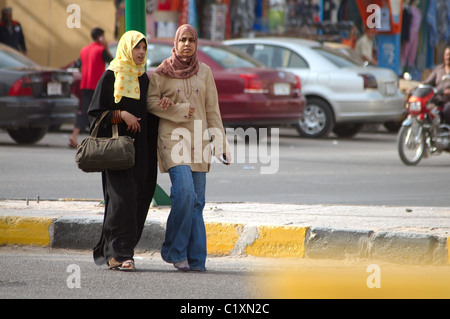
127,193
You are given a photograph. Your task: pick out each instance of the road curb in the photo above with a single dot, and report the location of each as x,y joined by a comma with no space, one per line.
18,230
231,239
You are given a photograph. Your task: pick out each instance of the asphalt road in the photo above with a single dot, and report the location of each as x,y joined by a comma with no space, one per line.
39,273
229,282
364,170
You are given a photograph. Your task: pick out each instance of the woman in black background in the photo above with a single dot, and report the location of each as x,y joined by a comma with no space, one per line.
122,91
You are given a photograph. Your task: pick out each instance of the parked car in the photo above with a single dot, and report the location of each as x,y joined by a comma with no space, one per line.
250,94
341,94
347,51
32,98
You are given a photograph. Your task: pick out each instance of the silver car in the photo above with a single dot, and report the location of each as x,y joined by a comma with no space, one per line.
341,94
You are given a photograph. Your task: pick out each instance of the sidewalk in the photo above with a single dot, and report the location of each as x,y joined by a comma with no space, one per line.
411,235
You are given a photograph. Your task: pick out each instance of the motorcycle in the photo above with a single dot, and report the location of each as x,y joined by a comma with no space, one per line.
422,133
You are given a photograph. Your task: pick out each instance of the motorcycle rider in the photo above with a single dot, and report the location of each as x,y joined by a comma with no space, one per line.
442,83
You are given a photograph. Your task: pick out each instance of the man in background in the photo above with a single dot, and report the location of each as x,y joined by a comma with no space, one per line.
11,32
439,78
93,58
364,47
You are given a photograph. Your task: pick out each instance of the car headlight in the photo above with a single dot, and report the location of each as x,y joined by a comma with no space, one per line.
415,106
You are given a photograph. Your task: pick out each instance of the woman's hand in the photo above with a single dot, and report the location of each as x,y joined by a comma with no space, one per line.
132,121
226,158
191,111
165,103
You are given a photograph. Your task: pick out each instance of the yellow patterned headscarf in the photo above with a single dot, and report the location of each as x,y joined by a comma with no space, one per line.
126,71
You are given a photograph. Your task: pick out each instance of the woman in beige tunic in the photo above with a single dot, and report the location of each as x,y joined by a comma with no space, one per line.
182,92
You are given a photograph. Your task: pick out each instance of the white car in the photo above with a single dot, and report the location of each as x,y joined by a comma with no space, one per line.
341,95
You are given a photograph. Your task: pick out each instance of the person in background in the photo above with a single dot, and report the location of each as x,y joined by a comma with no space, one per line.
122,92
409,45
11,32
93,58
187,88
364,48
437,80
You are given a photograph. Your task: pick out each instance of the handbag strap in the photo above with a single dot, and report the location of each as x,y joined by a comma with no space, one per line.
115,129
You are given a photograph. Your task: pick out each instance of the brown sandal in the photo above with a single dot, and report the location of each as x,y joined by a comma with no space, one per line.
127,265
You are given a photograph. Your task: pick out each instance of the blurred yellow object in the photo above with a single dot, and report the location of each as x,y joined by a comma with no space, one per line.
330,280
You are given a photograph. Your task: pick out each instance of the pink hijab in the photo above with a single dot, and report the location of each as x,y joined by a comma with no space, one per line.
177,66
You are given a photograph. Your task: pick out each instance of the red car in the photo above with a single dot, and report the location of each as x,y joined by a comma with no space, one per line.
250,94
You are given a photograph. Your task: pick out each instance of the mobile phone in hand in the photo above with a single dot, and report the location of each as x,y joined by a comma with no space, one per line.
224,159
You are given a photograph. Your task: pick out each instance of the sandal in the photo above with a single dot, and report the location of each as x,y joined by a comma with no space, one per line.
127,265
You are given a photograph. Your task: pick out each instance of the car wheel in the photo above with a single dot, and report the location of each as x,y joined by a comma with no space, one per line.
347,130
27,135
317,120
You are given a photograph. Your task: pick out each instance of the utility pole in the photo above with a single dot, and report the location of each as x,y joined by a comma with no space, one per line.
135,19
135,16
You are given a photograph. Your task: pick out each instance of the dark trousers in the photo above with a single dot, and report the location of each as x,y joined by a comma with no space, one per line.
446,113
82,120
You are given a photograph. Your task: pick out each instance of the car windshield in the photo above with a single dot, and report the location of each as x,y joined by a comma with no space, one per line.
11,60
334,57
230,58
157,53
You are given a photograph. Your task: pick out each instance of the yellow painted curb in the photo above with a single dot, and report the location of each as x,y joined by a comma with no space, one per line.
25,230
278,241
221,237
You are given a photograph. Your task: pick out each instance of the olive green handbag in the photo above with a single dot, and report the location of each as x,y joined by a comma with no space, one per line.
96,154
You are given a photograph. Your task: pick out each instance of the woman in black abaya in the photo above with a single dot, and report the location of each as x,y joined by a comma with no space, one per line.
122,91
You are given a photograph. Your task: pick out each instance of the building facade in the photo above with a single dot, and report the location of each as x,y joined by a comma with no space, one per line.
56,30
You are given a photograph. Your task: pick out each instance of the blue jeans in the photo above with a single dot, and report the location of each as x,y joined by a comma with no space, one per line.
185,230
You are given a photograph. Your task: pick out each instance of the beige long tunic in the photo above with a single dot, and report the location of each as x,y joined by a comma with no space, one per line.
183,140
